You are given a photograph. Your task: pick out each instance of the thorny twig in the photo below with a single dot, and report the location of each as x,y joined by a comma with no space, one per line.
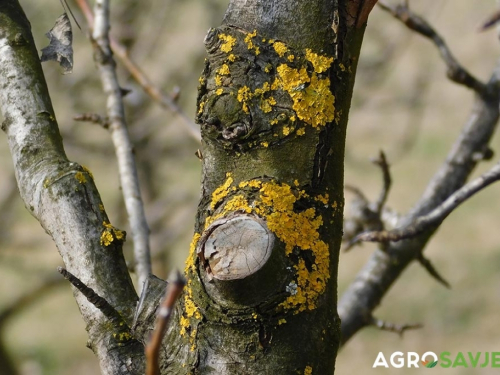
174,290
437,215
456,72
429,267
121,140
490,21
165,101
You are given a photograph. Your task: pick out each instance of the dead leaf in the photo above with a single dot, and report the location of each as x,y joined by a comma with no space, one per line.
60,48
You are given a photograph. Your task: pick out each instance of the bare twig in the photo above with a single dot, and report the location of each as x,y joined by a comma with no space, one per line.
93,118
391,327
438,214
166,101
95,299
174,290
490,21
456,72
384,166
121,140
426,263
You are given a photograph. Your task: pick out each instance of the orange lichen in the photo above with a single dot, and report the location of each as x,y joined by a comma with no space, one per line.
228,44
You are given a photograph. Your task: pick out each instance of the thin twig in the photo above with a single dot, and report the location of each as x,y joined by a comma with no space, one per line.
174,290
426,263
490,21
456,72
438,214
95,299
93,118
121,140
166,101
386,174
391,327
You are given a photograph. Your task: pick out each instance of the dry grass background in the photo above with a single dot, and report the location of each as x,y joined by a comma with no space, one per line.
403,104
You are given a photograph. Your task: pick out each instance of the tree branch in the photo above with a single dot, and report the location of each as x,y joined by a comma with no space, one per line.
61,194
456,72
121,140
391,327
165,101
384,267
437,215
174,290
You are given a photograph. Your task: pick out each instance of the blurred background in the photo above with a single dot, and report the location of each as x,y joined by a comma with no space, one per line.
403,104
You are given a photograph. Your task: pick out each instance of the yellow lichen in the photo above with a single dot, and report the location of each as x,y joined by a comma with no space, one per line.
219,91
202,105
228,44
80,177
297,230
231,57
221,192
308,370
201,80
286,130
319,62
110,234
224,70
218,80
281,321
265,144
313,102
267,104
244,95
267,69
301,131
249,42
322,198
290,58
85,169
280,48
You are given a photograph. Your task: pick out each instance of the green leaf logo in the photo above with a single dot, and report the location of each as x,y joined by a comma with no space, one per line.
431,364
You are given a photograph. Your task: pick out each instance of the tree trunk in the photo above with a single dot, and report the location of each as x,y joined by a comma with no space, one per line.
273,105
262,272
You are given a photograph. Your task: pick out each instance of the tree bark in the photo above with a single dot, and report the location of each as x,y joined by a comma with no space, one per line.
273,106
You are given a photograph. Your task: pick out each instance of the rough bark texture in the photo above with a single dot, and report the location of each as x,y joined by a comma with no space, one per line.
262,273
62,194
272,105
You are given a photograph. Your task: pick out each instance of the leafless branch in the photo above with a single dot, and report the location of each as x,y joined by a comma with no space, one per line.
391,327
426,263
93,118
490,21
166,101
174,290
438,214
121,140
384,166
456,72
